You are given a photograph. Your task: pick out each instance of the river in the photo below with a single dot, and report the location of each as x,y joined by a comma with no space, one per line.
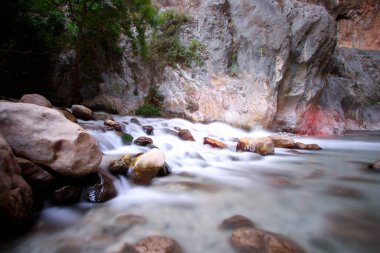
325,201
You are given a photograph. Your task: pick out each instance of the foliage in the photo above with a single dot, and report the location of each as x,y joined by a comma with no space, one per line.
148,110
233,70
165,45
126,139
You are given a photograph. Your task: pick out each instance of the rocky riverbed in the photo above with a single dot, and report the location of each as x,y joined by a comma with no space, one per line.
294,197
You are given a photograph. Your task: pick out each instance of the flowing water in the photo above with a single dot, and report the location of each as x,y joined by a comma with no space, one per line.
326,201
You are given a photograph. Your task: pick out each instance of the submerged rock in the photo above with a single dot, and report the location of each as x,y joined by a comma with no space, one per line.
250,240
126,138
237,221
44,136
158,244
300,145
82,112
214,143
147,166
36,99
16,197
143,141
185,135
135,121
100,188
262,146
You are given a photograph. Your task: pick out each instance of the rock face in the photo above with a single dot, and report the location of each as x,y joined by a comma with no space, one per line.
255,240
35,99
44,136
16,197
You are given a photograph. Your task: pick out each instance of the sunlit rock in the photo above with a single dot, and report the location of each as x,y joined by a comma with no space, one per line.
300,145
262,146
113,125
157,244
44,136
147,166
36,99
214,143
82,112
282,141
250,240
121,165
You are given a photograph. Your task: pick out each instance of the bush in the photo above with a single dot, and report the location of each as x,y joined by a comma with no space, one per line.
148,110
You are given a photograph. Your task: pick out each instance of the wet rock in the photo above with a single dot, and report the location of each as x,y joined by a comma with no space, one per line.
214,143
126,138
345,192
34,174
36,99
315,174
113,125
158,244
44,136
375,167
82,112
147,166
121,165
262,146
148,129
357,228
185,135
170,131
177,128
165,171
66,195
281,182
68,115
282,141
130,219
237,221
100,188
250,240
16,197
135,121
103,116
143,141
300,145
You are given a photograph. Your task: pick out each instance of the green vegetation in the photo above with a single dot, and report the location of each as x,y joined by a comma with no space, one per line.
233,70
126,139
165,45
148,110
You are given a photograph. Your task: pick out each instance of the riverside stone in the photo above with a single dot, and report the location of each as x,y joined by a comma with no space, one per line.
16,197
36,99
148,129
44,136
68,115
185,135
262,146
147,166
121,165
34,174
66,195
100,188
282,141
300,145
143,141
236,221
250,240
114,125
82,112
158,244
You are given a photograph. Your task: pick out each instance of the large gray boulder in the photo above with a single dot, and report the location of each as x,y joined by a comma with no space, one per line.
45,137
16,197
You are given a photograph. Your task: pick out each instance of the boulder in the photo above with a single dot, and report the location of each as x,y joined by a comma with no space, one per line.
121,165
35,99
254,240
148,129
82,112
147,166
44,136
16,197
282,141
236,221
68,115
214,143
66,195
143,141
157,244
113,125
100,188
185,135
34,174
262,146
